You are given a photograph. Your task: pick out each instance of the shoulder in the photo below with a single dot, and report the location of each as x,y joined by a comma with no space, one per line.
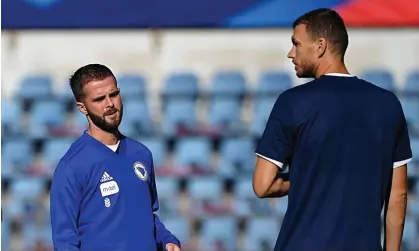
137,147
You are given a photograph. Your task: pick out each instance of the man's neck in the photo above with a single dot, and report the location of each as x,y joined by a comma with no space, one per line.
107,138
331,66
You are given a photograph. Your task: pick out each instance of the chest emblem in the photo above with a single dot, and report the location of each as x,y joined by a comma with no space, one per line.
140,171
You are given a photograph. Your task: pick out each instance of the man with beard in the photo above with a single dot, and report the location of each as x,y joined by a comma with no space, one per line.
103,194
345,144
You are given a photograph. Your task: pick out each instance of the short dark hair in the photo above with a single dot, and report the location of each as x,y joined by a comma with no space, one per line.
328,24
86,74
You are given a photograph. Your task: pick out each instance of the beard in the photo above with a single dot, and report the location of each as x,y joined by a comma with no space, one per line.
306,69
100,121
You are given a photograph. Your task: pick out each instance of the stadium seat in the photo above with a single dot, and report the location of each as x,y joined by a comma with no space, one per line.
225,112
237,155
260,230
281,206
181,85
65,93
273,83
261,111
44,114
158,150
412,83
178,113
243,188
17,154
54,150
219,230
132,86
414,145
180,227
35,87
136,113
167,187
411,233
228,83
27,188
411,110
205,188
11,117
380,77
79,120
193,151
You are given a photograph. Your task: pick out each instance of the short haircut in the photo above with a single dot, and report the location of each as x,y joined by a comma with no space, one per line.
328,24
85,75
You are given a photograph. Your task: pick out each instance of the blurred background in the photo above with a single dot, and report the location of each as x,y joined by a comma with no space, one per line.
198,80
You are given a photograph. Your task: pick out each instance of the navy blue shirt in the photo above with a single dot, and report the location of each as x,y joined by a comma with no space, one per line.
340,136
106,200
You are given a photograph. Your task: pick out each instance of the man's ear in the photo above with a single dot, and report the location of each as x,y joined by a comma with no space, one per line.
321,47
82,108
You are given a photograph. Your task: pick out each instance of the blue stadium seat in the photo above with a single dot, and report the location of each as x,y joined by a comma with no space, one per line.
273,83
79,120
11,117
66,94
379,77
178,113
136,112
411,109
243,188
414,145
411,233
55,149
35,87
219,229
237,154
181,84
132,86
261,111
27,188
17,154
259,230
193,151
228,83
46,113
225,112
412,83
281,206
205,188
180,227
167,187
158,150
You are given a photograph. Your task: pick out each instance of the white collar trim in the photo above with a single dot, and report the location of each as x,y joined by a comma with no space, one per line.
338,75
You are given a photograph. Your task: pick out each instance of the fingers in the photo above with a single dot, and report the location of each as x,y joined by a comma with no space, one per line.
172,247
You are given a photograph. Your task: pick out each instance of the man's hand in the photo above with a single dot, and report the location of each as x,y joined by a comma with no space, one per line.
172,247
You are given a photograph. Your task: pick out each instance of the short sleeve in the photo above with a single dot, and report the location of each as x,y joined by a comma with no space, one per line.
277,142
403,152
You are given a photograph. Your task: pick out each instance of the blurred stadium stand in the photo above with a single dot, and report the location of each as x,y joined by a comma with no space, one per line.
198,99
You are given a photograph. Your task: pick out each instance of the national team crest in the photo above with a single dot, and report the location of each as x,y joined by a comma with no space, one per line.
140,171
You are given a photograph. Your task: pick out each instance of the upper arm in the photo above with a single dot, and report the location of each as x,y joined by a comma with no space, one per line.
276,146
399,179
65,204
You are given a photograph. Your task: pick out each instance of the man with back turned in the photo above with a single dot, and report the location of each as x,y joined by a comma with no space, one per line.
346,144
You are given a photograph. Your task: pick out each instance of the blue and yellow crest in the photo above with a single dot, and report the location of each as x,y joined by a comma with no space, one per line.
140,171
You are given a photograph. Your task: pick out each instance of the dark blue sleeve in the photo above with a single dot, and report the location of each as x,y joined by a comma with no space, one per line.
277,141
163,235
65,200
403,152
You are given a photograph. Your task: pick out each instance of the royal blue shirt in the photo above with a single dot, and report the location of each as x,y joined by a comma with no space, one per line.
341,137
106,200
